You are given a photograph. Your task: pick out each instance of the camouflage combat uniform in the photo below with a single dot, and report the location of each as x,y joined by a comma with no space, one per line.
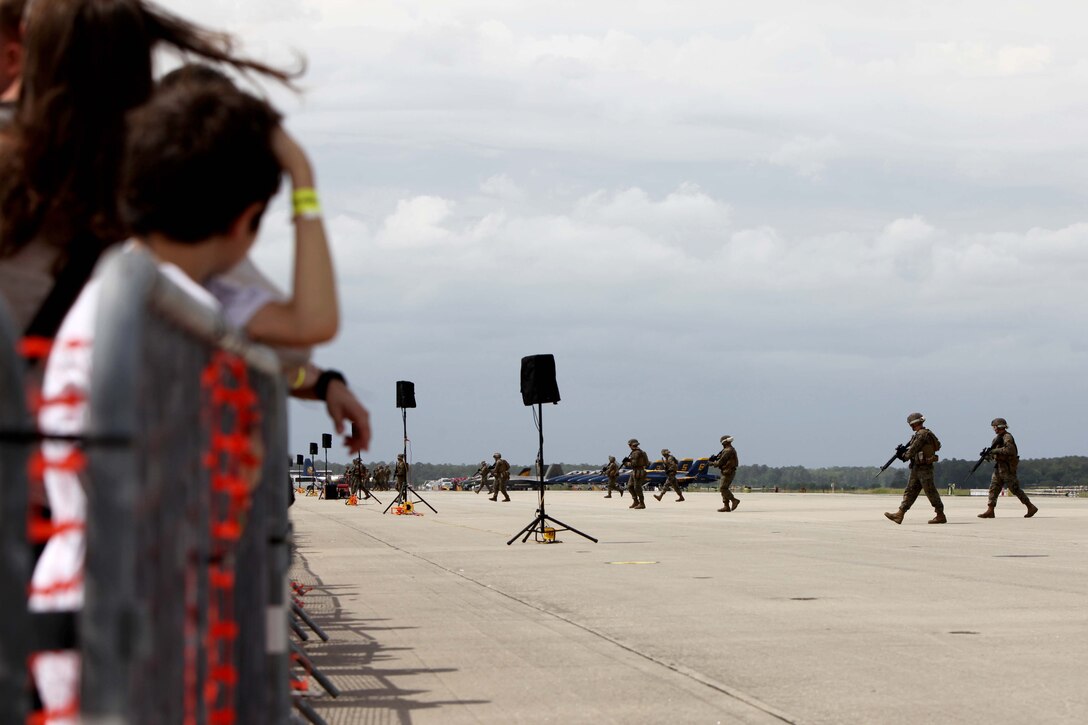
362,478
727,462
671,464
922,454
612,470
637,461
351,476
1007,460
400,474
484,471
502,475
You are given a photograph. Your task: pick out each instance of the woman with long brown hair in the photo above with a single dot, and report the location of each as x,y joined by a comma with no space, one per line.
86,64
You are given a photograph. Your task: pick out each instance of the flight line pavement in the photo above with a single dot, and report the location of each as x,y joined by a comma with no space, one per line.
800,608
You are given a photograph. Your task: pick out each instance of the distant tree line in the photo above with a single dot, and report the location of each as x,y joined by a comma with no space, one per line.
1064,471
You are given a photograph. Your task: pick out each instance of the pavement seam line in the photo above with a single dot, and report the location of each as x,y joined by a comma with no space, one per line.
678,669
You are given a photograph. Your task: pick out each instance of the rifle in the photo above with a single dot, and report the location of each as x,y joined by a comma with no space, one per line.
982,456
899,451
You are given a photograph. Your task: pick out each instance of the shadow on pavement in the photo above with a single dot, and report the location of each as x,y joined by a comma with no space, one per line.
359,663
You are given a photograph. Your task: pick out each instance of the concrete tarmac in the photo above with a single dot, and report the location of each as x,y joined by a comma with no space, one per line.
800,608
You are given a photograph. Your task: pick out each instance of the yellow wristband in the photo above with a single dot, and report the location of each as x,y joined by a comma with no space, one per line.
305,203
304,193
300,379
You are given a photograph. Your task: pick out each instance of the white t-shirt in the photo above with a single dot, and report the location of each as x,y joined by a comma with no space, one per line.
242,291
57,581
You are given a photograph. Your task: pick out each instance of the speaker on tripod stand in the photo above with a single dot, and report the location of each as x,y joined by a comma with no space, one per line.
538,386
331,490
406,398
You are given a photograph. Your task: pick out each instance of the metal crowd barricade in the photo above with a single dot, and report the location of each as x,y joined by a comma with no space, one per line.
185,576
15,446
149,555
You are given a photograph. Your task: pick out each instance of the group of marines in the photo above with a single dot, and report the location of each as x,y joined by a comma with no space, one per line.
358,476
500,470
637,462
921,453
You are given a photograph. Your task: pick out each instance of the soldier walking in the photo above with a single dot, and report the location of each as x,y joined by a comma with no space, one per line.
727,462
362,478
400,475
671,465
501,471
637,461
921,452
612,470
484,471
1006,460
351,475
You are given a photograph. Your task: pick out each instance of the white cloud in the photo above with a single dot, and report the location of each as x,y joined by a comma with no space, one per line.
503,187
981,59
417,222
807,156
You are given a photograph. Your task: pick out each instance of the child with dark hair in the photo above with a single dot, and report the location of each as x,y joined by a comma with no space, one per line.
199,166
250,301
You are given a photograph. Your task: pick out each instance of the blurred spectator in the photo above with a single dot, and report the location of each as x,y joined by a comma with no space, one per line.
85,64
11,56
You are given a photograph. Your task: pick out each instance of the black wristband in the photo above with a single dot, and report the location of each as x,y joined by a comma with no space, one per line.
321,388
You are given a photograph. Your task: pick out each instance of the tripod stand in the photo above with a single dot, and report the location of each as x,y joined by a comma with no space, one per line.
536,526
402,493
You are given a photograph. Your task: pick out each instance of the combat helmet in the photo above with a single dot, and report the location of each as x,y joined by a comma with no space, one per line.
915,418
999,423
727,439
665,451
633,442
612,458
497,455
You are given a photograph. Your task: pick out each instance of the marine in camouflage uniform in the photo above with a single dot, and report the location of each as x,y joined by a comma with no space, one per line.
727,462
921,452
637,461
362,477
612,470
1006,460
671,464
484,472
501,470
383,483
351,475
400,475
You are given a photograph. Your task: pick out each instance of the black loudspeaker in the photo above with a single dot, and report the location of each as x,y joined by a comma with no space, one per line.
298,460
538,380
406,394
313,449
326,440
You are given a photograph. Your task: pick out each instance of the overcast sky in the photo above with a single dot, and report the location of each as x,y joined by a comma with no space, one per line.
792,221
